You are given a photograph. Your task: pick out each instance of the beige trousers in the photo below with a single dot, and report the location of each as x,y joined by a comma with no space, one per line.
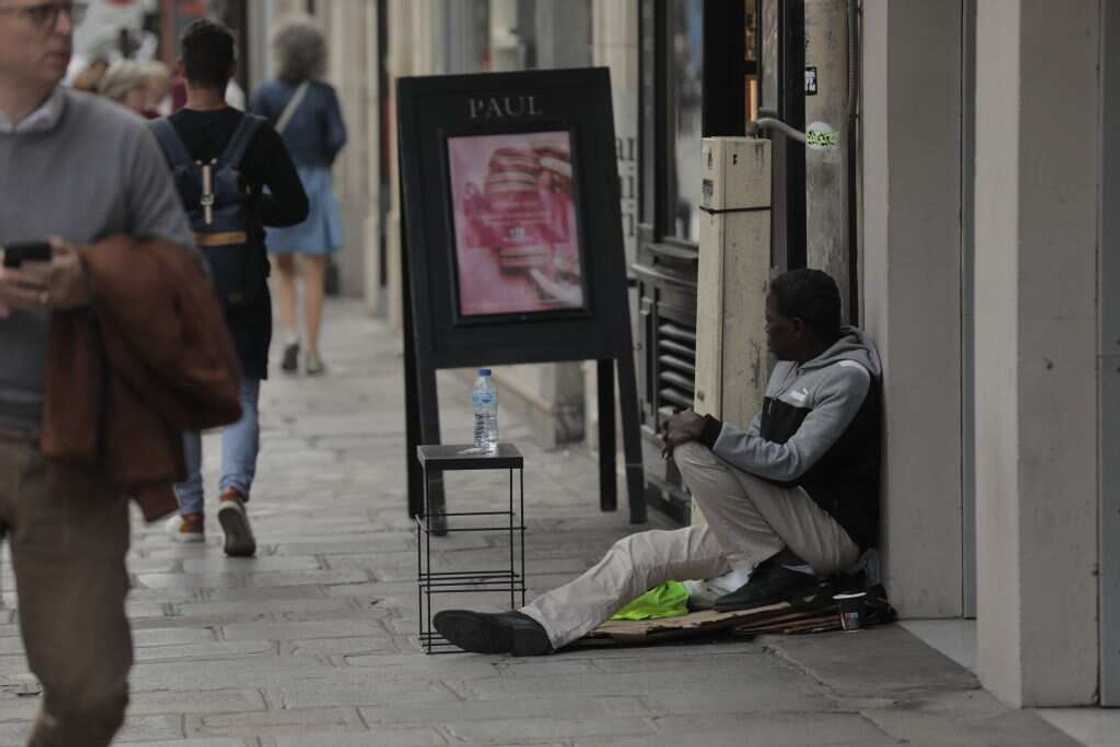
69,536
749,520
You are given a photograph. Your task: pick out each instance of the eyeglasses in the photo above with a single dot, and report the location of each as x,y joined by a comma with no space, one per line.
44,16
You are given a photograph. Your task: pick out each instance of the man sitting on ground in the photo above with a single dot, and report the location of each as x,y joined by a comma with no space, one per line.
800,484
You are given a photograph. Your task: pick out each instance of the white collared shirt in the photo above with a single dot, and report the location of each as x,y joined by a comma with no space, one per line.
44,118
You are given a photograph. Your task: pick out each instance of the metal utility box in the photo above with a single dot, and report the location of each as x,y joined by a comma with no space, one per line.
736,174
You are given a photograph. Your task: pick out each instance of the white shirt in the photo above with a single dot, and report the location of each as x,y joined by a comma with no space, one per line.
44,118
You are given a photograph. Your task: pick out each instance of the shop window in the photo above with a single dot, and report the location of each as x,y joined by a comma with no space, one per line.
686,81
698,78
751,54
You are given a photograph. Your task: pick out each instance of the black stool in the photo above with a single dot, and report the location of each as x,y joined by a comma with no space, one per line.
436,459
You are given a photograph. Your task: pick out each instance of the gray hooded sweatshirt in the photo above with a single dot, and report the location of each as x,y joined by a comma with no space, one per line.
819,429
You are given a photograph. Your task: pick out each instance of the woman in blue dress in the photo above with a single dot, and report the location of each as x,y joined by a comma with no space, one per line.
306,113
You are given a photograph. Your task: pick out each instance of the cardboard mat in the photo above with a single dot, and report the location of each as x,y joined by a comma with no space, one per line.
814,613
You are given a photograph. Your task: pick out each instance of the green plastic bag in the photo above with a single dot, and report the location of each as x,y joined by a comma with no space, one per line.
670,599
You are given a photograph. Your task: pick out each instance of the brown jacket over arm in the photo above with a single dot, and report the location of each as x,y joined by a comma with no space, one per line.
150,358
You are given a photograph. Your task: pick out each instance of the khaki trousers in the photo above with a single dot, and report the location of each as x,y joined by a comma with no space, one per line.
69,535
749,520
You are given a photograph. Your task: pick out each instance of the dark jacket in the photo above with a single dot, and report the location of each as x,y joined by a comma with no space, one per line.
149,358
820,429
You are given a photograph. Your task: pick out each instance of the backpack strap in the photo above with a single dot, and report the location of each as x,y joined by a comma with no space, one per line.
173,147
239,143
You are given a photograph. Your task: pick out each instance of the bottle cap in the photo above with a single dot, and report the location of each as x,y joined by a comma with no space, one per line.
484,372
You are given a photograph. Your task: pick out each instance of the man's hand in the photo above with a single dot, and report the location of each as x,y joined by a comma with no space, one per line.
56,285
681,428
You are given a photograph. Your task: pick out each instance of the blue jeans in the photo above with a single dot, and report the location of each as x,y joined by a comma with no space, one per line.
241,443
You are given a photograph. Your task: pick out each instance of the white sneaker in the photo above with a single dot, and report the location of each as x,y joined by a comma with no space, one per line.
186,529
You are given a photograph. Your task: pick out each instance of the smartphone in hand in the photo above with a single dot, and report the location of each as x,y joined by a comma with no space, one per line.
15,254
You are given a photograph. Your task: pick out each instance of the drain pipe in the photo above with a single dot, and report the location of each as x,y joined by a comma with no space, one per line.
854,127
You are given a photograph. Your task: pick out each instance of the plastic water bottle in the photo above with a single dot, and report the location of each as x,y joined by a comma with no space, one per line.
485,401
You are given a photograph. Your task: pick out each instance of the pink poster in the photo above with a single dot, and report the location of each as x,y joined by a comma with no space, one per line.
516,237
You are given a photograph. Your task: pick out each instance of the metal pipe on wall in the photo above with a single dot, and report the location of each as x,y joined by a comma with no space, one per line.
855,265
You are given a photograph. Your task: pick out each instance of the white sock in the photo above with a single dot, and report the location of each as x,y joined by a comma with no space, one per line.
291,337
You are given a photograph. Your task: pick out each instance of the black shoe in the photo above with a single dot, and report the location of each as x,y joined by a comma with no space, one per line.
493,633
770,583
290,361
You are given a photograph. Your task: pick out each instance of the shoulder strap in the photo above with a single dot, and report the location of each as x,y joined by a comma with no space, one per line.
173,147
290,109
239,143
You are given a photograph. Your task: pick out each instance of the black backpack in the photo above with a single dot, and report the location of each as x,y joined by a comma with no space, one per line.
222,210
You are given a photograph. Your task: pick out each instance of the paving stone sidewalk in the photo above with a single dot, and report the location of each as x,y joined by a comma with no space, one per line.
312,643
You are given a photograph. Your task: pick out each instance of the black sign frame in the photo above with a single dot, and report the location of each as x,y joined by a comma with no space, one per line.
433,110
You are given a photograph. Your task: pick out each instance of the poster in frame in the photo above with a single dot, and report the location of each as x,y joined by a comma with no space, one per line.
517,248
512,218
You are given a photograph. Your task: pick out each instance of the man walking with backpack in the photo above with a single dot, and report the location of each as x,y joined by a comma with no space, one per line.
223,160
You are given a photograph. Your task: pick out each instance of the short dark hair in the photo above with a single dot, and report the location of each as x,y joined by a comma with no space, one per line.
811,296
209,54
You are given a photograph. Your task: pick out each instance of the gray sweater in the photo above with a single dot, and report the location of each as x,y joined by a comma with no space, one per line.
94,173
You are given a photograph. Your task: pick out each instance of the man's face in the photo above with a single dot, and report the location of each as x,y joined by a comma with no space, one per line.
35,42
783,335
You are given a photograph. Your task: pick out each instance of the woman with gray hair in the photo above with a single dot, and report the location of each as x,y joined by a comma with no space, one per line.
306,113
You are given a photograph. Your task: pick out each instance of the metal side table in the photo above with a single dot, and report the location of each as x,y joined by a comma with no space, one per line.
434,460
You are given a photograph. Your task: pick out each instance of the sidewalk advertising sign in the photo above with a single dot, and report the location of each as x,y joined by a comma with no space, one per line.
514,233
514,245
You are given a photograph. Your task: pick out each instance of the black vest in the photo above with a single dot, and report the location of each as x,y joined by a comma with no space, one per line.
845,480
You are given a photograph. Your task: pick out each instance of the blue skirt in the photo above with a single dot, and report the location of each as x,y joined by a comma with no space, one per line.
321,233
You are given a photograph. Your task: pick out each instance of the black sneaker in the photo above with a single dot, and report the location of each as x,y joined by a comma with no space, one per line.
769,584
290,361
493,633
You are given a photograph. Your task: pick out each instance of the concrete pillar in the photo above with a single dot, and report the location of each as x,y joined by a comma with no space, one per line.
415,48
347,27
428,48
563,33
505,44
1109,341
466,33
911,164
284,7
259,62
1037,222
